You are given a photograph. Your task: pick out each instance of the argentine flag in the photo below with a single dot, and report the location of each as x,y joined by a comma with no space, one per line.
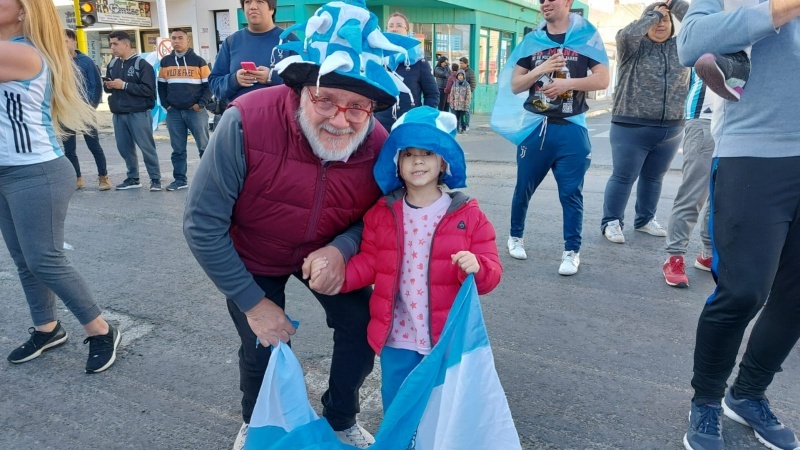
452,400
158,113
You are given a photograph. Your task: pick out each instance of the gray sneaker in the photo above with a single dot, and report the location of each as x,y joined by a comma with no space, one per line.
129,183
175,185
155,185
757,415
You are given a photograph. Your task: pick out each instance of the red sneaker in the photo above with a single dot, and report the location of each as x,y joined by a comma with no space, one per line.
703,262
675,272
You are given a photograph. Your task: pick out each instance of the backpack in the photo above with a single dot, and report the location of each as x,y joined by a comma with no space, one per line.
137,66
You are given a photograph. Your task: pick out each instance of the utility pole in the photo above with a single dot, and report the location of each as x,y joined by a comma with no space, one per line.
163,26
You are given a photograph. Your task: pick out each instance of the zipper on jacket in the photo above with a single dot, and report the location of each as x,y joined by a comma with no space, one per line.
395,292
666,77
316,207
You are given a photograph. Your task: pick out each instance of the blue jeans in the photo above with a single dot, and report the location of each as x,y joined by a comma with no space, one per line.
396,364
566,150
93,142
135,129
179,123
643,152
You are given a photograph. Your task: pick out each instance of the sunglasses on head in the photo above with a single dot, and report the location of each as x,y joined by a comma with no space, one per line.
541,2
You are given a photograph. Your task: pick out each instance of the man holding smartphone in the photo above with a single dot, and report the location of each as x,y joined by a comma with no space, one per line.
184,92
245,60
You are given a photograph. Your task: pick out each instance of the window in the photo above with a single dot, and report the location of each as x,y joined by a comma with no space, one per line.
452,41
495,46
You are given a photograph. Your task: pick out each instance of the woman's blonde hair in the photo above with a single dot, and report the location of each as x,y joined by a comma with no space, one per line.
69,109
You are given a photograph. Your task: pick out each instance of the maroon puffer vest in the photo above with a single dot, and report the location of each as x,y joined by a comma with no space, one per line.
290,204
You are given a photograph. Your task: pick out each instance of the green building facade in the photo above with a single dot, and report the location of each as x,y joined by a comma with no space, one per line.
485,31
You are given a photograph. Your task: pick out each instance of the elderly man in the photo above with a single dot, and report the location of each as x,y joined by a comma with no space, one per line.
288,176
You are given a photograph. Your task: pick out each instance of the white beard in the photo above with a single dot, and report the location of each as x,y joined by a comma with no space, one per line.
324,153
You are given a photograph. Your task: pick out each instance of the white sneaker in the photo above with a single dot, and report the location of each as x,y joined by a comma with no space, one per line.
569,263
653,228
613,232
516,249
238,444
356,436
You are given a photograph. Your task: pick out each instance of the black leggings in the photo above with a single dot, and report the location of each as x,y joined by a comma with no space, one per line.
755,225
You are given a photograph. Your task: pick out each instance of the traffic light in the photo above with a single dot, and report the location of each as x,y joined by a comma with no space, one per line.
88,11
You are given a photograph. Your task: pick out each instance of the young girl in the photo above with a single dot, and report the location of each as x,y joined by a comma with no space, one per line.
419,244
460,99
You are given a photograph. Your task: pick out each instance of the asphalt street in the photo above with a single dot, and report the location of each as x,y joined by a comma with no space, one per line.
600,360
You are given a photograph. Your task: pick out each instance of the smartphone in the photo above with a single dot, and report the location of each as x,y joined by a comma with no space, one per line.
248,65
106,78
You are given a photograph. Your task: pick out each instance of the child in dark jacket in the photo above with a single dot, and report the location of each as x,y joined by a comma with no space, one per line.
415,281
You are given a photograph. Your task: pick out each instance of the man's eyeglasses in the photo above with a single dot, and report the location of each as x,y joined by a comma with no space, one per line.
325,107
541,2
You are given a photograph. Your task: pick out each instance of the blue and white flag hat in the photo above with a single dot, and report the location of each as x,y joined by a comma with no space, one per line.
424,128
345,48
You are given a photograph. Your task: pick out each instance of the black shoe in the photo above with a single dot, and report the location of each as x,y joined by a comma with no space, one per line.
129,183
155,185
39,342
102,350
176,185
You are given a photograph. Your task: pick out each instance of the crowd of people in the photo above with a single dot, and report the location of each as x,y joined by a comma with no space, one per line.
373,157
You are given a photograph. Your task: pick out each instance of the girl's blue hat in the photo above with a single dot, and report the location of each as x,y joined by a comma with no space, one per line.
428,129
345,48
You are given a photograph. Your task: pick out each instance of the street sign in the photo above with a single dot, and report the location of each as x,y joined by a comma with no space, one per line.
164,47
124,12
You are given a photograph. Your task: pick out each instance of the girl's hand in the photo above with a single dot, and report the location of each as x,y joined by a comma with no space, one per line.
467,261
317,266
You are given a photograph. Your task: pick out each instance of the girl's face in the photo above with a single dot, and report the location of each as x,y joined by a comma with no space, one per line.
661,31
420,168
10,11
397,25
460,77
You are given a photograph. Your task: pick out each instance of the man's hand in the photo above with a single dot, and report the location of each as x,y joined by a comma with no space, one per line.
663,10
196,107
114,84
557,87
269,323
552,64
330,280
245,78
467,261
261,75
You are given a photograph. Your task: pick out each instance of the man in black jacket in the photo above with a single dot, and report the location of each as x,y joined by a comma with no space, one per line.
184,92
131,81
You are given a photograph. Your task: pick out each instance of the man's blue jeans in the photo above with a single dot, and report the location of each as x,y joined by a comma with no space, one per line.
179,123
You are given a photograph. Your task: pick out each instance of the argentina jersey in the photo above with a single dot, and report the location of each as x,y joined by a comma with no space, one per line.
26,125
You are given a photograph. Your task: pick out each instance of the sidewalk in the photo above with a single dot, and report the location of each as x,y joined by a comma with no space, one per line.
479,122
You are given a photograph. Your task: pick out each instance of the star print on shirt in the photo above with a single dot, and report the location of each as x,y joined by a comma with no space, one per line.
413,305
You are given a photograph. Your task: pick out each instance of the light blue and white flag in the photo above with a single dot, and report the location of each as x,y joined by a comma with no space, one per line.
158,113
509,118
452,400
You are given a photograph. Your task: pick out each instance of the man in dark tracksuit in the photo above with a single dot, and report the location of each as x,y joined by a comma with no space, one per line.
184,92
755,224
131,81
93,91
